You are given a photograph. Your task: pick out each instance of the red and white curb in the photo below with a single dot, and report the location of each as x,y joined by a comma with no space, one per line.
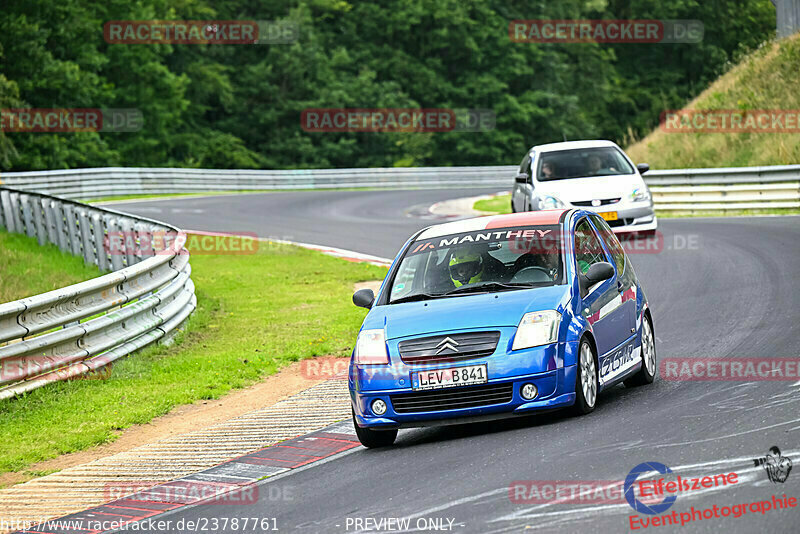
462,207
232,482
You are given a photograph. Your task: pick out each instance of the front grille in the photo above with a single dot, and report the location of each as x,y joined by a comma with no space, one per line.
448,348
620,222
603,202
453,398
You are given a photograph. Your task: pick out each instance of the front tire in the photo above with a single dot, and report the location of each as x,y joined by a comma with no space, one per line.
647,373
373,439
586,379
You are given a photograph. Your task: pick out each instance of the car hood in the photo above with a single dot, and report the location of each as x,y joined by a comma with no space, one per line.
489,310
582,189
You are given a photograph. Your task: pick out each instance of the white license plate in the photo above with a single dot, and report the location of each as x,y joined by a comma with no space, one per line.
447,378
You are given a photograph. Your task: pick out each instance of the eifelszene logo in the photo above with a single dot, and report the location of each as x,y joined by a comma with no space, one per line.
777,467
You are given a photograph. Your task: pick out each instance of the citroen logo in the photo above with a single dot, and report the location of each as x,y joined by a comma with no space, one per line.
447,343
596,202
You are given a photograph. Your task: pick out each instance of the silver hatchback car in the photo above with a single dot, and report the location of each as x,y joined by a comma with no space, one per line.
593,175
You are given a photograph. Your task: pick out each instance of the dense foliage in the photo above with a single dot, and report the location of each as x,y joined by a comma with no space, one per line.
236,106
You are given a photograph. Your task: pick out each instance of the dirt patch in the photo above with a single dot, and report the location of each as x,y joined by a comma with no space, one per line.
374,285
181,420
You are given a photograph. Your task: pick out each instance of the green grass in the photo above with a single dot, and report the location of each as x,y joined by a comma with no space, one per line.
667,214
27,269
502,204
256,313
498,204
768,79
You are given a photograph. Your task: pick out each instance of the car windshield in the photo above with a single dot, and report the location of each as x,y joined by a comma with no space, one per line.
582,163
481,261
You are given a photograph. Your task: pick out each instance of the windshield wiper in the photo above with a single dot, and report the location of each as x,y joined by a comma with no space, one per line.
417,296
489,285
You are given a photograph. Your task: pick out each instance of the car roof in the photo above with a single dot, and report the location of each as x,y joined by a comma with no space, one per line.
573,145
528,218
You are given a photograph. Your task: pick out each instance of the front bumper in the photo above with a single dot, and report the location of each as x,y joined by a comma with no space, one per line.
636,217
542,366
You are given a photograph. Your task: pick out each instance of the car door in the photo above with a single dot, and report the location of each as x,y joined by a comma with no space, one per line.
600,302
626,278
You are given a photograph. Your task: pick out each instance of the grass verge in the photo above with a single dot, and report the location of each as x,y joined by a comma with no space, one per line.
256,313
767,79
502,204
498,204
27,269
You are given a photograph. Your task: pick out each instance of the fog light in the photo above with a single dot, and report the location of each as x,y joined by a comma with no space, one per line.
378,407
528,391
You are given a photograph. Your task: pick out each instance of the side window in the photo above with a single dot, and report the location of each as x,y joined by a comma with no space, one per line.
588,249
612,242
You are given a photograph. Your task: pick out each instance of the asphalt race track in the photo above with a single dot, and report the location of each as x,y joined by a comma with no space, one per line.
719,288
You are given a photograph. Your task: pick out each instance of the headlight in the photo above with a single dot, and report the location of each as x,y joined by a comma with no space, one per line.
550,203
537,328
640,194
371,347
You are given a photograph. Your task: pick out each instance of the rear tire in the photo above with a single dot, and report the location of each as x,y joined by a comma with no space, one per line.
647,373
586,379
373,439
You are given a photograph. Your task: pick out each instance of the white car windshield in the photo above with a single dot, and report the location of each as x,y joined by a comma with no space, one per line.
582,163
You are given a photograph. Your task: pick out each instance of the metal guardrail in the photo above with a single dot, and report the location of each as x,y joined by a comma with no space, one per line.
690,189
81,328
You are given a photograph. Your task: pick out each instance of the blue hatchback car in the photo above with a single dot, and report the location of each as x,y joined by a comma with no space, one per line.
496,317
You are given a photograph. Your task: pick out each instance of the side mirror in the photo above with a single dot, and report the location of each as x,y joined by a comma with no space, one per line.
599,272
521,178
364,298
643,168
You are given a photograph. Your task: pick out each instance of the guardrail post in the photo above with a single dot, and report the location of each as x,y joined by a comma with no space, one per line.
61,226
84,226
50,220
116,242
129,241
73,235
39,220
8,215
16,213
27,215
144,234
98,236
